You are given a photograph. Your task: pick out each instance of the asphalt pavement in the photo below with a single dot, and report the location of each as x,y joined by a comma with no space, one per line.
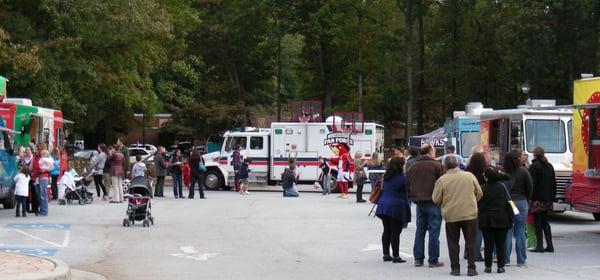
263,236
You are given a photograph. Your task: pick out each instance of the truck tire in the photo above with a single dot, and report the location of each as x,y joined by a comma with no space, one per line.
9,203
213,180
596,216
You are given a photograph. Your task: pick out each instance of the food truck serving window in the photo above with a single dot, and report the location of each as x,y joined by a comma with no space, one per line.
468,140
548,134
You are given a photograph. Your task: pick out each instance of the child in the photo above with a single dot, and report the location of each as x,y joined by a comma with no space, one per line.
22,189
139,168
185,170
244,170
325,175
46,164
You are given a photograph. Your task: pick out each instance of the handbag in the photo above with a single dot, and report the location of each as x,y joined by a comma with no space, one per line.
201,167
375,193
511,203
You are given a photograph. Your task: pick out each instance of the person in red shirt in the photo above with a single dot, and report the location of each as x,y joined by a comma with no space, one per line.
185,169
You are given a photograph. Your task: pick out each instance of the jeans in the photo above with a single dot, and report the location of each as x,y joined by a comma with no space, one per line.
177,185
21,204
325,183
392,228
290,192
200,181
54,187
429,219
518,231
160,184
99,184
43,195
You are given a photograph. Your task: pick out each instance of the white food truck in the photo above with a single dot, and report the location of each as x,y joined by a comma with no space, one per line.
270,149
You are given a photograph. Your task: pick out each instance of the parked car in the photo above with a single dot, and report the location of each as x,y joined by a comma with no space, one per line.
133,152
87,154
151,149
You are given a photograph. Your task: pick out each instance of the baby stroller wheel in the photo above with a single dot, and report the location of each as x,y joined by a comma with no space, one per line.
146,223
82,201
69,201
152,220
89,200
125,222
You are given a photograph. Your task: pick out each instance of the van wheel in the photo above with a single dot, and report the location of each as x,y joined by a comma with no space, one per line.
596,216
212,180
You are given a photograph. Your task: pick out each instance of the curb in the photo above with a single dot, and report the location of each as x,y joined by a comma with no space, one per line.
61,272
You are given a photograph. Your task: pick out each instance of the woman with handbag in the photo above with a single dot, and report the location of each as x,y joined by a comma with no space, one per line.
520,193
359,176
544,192
494,217
393,208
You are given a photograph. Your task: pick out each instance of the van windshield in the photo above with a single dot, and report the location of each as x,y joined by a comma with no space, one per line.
548,134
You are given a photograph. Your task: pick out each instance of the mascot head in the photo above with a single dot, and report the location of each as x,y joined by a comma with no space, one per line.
340,149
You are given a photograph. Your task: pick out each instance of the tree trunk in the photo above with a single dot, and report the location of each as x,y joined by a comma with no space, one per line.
359,44
279,35
408,21
421,71
324,67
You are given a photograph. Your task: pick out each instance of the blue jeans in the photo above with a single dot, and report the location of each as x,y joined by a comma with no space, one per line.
43,196
177,185
200,181
325,184
429,219
518,231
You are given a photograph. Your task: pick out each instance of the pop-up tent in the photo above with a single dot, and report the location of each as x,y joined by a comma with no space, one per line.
436,138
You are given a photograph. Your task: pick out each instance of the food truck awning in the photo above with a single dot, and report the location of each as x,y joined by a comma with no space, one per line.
436,138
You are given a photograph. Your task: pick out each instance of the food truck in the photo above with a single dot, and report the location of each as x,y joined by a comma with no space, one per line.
584,193
463,129
526,128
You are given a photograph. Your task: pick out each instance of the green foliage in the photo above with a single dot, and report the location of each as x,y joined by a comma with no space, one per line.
214,63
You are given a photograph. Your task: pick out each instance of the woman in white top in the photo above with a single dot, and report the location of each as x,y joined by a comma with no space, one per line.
22,189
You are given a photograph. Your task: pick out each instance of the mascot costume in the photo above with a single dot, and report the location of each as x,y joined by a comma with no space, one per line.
344,164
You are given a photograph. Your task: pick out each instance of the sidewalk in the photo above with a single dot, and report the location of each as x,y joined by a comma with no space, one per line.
17,267
27,267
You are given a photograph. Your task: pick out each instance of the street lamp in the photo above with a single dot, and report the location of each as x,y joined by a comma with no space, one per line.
525,88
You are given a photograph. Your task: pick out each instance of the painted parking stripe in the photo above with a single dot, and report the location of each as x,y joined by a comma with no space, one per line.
45,252
39,226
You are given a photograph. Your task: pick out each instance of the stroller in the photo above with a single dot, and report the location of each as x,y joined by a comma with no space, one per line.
74,188
139,204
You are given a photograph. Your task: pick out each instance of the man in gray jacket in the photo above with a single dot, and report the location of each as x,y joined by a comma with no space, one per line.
421,178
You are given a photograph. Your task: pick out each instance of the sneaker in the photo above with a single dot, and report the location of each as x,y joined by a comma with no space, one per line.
437,264
522,265
455,273
488,270
501,270
247,192
418,263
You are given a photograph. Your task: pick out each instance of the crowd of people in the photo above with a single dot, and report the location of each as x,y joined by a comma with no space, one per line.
482,201
36,181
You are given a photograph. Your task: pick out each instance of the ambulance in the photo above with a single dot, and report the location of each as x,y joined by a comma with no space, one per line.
271,148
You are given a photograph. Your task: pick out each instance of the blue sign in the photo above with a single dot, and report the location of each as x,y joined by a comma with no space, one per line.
39,226
42,252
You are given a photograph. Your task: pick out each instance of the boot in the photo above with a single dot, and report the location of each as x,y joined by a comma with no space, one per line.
548,234
18,215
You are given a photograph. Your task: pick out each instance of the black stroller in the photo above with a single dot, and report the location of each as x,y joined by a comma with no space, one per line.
75,188
139,205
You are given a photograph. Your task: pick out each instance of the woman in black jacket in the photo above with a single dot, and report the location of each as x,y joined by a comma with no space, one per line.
542,198
494,217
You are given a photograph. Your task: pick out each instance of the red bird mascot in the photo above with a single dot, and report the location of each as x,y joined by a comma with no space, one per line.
344,165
